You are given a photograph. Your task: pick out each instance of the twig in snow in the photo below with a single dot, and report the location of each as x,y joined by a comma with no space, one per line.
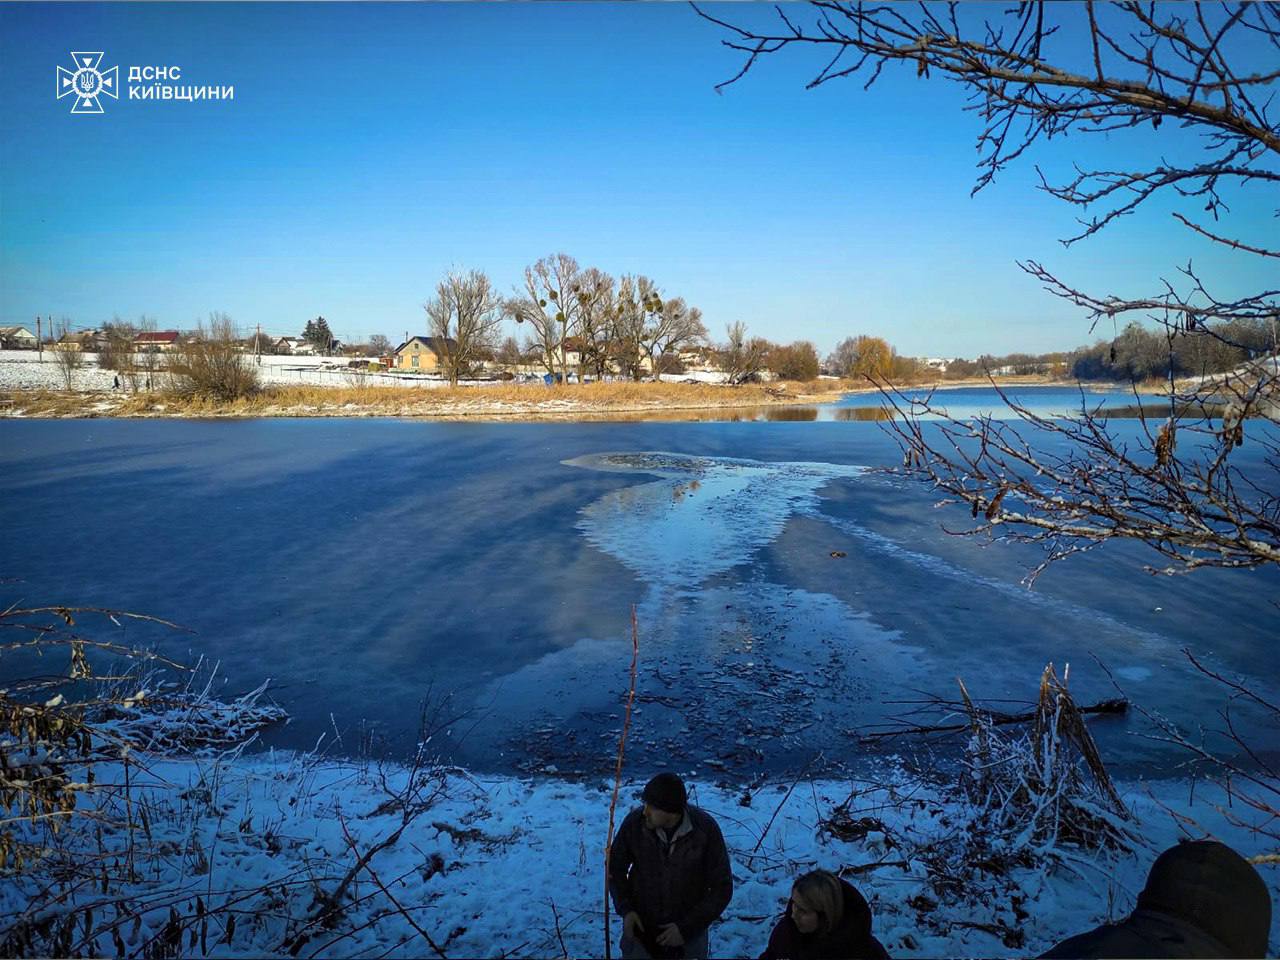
768,826
555,915
387,893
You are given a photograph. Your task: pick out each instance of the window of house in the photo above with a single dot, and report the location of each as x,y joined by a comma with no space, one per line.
415,360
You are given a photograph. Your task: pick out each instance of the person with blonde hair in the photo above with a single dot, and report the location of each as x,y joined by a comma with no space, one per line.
826,919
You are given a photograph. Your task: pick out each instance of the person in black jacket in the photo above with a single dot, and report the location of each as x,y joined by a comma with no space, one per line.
826,919
1202,899
669,874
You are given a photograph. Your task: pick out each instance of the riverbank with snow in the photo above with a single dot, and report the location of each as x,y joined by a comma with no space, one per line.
499,866
35,387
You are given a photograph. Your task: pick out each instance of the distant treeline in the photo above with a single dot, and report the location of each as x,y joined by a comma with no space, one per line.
1137,353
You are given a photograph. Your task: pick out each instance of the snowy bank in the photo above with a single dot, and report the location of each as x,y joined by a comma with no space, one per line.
31,370
499,866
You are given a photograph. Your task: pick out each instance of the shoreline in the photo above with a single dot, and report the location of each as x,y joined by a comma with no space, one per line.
529,849
498,403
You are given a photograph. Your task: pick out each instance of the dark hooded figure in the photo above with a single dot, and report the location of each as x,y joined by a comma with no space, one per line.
1202,899
826,919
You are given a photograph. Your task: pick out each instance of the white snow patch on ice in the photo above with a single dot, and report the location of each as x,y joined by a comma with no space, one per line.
705,516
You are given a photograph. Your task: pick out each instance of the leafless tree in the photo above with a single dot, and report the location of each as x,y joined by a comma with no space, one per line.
116,350
597,313
648,326
509,353
1210,71
672,326
549,304
261,343
637,303
67,357
464,318
380,346
743,358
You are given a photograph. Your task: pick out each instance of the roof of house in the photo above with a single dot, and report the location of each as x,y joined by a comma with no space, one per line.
14,331
157,336
449,343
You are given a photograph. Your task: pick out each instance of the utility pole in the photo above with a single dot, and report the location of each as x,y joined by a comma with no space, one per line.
257,344
39,340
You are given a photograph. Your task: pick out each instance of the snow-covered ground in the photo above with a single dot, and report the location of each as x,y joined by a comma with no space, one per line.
493,864
25,370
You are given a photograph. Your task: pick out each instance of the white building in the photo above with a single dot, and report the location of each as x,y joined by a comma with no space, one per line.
17,338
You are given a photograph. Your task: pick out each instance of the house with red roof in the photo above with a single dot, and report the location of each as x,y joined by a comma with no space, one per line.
156,340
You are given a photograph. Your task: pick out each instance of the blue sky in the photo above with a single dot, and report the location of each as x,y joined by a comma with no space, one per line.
370,147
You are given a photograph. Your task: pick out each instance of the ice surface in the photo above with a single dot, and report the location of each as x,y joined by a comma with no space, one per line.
706,515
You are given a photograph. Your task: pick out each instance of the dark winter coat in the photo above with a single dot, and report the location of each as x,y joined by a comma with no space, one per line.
1202,899
850,939
687,883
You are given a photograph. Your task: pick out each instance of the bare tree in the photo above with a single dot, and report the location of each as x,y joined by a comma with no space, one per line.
379,346
464,318
1129,66
261,343
549,304
648,326
743,358
673,325
509,353
67,356
116,350
597,313
637,302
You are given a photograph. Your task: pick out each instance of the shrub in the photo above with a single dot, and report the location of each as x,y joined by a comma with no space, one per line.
212,365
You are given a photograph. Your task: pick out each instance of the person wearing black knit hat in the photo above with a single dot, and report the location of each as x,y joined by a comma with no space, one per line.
669,874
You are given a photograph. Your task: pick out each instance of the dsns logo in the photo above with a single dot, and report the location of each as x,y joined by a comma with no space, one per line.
87,83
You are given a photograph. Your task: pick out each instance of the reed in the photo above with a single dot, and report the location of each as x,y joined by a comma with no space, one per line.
360,399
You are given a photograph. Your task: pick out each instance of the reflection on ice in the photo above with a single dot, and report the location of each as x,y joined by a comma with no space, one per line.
735,679
704,516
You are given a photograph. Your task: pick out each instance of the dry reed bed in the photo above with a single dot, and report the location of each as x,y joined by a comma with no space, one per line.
499,400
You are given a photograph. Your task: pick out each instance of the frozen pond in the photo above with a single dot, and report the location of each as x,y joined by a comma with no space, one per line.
786,594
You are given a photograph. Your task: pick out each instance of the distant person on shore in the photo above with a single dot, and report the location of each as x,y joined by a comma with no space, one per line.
669,874
1202,899
826,919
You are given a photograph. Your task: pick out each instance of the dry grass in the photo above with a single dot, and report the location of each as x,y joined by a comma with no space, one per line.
498,400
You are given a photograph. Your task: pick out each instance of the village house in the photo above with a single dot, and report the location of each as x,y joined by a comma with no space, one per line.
156,341
700,359
83,340
17,338
422,354
576,351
